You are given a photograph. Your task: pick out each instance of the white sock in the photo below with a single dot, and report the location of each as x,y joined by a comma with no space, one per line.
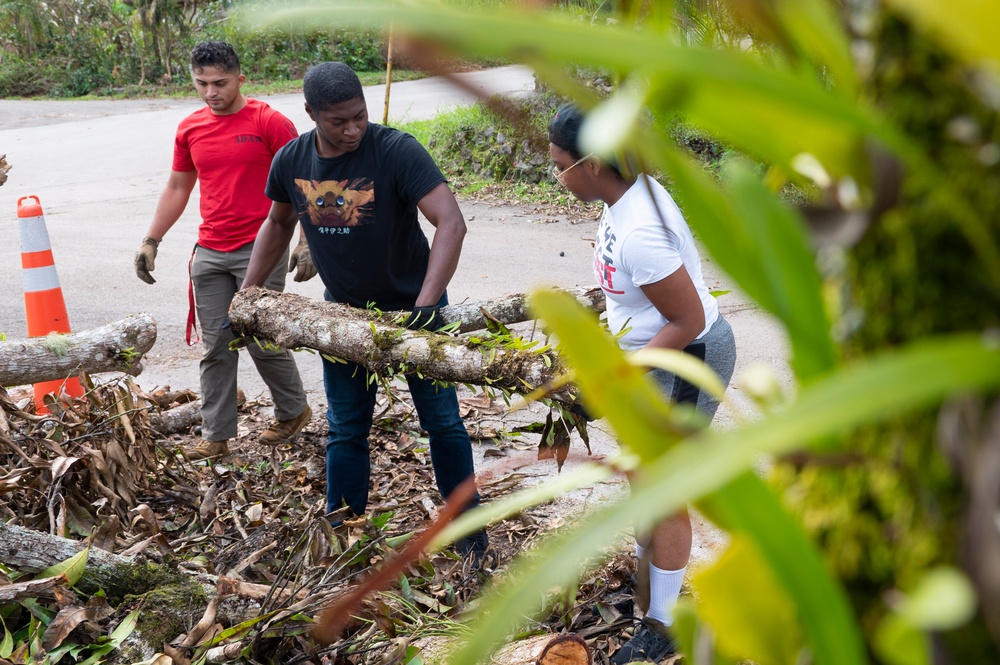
640,551
664,588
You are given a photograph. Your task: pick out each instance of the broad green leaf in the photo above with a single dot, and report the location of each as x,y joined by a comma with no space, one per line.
814,28
898,642
610,381
750,510
73,567
413,656
761,244
686,625
72,650
683,365
966,27
118,635
944,599
7,644
762,624
511,504
696,639
238,629
610,123
786,262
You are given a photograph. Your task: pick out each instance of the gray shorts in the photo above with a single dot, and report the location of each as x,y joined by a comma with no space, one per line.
717,348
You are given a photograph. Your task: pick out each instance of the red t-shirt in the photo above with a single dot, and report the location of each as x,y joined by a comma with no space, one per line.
232,155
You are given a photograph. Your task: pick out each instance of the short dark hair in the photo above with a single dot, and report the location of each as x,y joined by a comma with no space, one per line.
330,83
215,54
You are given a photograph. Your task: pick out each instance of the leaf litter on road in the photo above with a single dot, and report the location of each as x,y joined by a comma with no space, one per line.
253,527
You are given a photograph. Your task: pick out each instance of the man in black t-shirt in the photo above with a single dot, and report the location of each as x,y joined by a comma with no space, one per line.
356,188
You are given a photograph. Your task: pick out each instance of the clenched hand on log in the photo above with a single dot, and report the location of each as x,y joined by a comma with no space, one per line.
361,336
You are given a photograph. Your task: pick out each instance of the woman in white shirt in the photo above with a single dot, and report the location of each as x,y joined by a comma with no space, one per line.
648,266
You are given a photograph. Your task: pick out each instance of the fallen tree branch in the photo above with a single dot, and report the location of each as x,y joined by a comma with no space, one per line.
115,347
510,309
294,321
184,416
178,419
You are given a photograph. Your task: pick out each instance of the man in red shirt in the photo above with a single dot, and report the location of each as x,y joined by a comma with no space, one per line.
228,147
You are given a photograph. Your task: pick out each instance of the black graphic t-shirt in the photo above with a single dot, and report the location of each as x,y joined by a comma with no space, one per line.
359,212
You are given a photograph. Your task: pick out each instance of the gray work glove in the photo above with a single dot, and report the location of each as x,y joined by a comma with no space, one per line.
144,259
301,262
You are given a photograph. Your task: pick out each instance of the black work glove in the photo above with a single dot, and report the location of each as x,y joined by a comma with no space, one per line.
577,409
237,342
425,318
144,259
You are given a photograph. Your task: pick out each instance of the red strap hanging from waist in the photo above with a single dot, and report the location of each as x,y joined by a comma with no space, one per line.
192,324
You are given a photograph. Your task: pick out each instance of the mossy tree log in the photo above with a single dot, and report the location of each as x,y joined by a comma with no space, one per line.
365,337
28,551
115,347
171,600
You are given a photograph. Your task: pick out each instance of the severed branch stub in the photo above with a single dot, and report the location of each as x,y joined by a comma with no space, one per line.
348,333
510,309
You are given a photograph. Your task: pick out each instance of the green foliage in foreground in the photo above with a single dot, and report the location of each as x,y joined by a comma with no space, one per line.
873,356
72,48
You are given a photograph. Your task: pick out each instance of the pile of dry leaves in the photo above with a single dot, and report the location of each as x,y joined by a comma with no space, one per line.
235,559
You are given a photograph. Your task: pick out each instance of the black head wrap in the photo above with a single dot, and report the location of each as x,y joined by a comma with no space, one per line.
564,130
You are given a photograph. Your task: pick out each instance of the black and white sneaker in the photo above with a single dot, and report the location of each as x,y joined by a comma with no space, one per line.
650,643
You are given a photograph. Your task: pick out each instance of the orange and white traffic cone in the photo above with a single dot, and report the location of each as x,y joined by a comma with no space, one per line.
43,297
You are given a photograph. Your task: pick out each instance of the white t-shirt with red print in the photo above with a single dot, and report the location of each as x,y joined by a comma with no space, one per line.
642,239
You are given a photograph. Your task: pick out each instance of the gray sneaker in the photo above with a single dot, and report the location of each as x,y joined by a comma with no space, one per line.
650,643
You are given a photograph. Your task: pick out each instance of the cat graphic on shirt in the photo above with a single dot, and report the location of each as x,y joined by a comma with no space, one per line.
338,203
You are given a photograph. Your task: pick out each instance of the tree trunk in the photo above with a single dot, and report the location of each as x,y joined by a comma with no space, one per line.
116,347
360,336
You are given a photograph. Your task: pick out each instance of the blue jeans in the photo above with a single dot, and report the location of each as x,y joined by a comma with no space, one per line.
350,404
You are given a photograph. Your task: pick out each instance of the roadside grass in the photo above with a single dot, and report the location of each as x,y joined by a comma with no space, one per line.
485,155
182,88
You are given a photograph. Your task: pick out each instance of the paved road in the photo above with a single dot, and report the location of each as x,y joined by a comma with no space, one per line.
98,169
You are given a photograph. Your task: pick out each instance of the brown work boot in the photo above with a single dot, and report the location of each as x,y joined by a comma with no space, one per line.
281,431
205,449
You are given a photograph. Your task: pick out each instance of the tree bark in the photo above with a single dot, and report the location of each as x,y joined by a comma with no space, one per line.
360,336
185,416
30,551
116,347
510,309
177,419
